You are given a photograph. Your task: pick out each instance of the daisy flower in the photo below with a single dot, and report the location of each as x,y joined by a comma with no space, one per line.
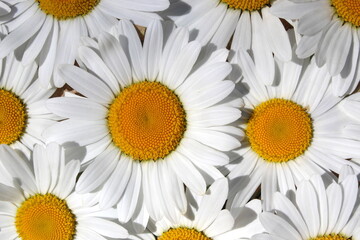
156,117
50,30
248,23
293,130
206,220
23,115
41,204
330,30
319,212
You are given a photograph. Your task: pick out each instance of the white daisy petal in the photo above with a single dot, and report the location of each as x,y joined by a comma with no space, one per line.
157,5
77,108
140,18
97,65
339,49
192,179
335,198
199,152
291,10
88,234
226,28
38,42
268,186
47,56
152,50
308,204
242,35
18,168
10,194
172,187
318,184
350,190
128,201
346,82
205,27
280,43
41,169
352,225
214,116
248,186
285,179
285,206
4,9
116,184
314,21
67,179
266,237
327,36
177,40
8,208
307,45
262,53
85,83
135,51
215,200
249,71
223,223
98,21
6,222
114,56
25,10
149,202
105,227
183,64
205,76
75,131
210,95
214,139
69,38
272,222
22,33
141,216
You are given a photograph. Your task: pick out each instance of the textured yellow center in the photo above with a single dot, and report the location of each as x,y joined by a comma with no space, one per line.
147,121
246,5
12,117
45,217
348,10
279,130
331,237
65,9
182,233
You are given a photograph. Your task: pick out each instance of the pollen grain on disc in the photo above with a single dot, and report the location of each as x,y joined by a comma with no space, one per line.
12,117
183,233
146,121
279,130
44,217
348,10
246,5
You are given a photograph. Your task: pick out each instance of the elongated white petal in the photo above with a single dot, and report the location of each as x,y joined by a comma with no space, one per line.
86,83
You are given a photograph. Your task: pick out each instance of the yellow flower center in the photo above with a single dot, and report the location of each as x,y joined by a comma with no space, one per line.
65,9
279,130
12,117
182,233
246,5
147,121
45,217
348,10
331,237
